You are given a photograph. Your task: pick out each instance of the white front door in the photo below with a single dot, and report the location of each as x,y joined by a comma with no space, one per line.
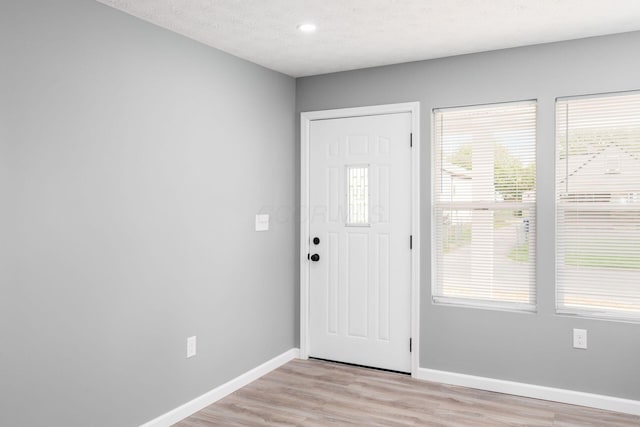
360,227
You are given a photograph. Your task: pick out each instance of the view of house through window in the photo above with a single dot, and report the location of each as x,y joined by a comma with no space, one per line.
598,205
484,205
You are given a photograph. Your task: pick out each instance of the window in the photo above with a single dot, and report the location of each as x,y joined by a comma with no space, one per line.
358,195
598,206
485,205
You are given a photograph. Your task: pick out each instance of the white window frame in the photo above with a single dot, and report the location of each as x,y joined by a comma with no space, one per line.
561,309
477,303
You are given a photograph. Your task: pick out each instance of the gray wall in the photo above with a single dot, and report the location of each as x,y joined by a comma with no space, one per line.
532,348
133,161
129,181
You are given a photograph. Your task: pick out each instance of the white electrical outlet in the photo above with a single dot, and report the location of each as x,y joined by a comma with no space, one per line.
580,338
191,346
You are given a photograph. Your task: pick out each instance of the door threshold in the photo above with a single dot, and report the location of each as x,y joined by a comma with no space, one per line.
360,366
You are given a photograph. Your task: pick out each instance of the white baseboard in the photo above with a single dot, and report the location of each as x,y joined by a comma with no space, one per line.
224,390
534,391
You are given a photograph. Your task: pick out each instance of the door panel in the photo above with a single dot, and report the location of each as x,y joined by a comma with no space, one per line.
360,209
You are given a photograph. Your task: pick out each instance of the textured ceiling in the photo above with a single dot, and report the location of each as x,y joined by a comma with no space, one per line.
365,33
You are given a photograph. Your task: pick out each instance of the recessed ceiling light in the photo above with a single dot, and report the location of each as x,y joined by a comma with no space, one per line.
306,27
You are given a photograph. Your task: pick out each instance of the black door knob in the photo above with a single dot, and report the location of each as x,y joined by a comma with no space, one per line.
315,257
316,240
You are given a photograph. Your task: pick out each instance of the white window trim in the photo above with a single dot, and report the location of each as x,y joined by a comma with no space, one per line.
584,313
474,303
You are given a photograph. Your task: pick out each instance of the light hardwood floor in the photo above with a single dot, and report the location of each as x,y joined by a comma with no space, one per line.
316,393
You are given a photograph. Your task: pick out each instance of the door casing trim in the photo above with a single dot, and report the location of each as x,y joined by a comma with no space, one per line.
305,123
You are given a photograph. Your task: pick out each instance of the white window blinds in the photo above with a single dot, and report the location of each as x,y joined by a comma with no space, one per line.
598,206
485,205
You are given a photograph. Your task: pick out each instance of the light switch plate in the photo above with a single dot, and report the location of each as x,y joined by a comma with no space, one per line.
191,346
262,222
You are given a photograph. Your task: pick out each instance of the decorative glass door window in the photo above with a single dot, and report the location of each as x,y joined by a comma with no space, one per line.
358,195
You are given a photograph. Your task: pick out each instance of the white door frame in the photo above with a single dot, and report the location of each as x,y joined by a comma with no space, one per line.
305,123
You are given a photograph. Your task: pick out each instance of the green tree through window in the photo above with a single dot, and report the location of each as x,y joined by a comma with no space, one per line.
511,177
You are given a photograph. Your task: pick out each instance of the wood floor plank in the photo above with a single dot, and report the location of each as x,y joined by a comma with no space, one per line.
317,393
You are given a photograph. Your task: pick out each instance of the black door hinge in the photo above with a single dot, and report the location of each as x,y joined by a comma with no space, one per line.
411,140
411,242
410,345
